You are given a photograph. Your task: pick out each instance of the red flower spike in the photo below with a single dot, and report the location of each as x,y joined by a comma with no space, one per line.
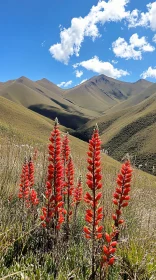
70,191
94,215
31,172
24,184
53,216
121,194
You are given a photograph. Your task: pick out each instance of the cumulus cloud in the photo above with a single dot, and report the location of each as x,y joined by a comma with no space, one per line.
133,49
149,73
83,81
78,73
148,19
154,38
65,84
101,67
71,38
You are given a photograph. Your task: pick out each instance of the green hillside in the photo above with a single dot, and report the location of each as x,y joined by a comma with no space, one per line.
131,130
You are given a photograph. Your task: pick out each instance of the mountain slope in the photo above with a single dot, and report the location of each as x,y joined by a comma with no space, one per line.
39,99
20,125
104,92
50,86
134,100
132,131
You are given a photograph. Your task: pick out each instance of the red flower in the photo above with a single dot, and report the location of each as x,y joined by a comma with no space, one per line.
69,190
121,194
24,184
94,215
65,153
33,197
31,172
77,194
53,209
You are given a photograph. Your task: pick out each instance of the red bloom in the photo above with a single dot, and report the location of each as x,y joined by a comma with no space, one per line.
109,249
77,193
69,191
53,210
94,215
24,185
65,153
121,194
33,197
31,172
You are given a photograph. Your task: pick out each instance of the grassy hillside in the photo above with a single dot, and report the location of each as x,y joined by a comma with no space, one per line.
24,253
130,131
101,92
23,123
134,100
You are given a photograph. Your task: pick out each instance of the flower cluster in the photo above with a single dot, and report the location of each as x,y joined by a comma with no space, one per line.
77,194
26,192
94,214
53,211
109,249
121,195
65,148
121,198
31,172
33,198
24,184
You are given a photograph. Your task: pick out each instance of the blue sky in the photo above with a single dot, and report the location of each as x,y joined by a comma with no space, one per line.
70,41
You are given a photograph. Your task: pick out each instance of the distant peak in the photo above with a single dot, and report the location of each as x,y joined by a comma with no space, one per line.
45,80
21,79
143,81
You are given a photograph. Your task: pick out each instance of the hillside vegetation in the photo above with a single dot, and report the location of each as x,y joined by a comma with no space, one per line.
132,130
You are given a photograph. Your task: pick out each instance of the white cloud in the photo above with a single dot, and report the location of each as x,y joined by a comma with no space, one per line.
132,50
101,67
148,19
83,81
149,73
65,84
78,73
154,38
72,37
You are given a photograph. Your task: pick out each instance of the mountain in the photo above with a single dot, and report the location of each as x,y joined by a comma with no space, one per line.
131,130
83,102
47,102
50,86
103,92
